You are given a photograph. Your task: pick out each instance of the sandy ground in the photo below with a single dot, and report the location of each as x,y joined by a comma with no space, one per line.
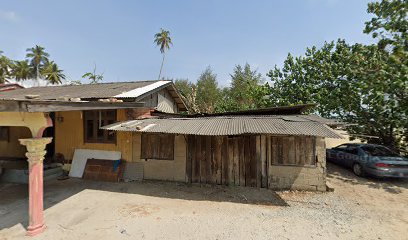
77,209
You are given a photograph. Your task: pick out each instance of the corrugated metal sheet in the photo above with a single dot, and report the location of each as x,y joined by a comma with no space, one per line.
142,90
234,125
102,90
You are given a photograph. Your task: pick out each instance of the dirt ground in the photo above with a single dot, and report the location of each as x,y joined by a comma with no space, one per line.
77,209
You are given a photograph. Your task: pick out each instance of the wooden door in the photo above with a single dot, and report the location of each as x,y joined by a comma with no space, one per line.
236,160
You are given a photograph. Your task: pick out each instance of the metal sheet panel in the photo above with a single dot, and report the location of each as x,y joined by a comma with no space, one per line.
222,126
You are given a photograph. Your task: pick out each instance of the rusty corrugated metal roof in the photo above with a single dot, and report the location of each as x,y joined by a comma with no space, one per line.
229,125
100,90
121,90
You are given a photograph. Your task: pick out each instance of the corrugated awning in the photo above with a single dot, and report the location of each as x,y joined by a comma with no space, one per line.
232,125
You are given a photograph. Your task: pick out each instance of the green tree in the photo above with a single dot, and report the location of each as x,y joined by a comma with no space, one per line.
5,66
38,58
366,85
188,93
244,91
21,70
52,73
349,82
208,93
93,77
390,27
163,40
390,24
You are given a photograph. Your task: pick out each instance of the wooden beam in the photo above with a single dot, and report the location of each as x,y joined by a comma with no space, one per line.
59,106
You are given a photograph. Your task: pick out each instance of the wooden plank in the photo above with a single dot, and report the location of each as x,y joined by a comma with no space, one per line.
258,162
208,159
268,159
224,150
241,150
247,142
203,160
213,165
218,159
263,149
279,150
309,151
291,150
297,149
285,150
230,161
236,160
253,165
198,159
189,159
273,159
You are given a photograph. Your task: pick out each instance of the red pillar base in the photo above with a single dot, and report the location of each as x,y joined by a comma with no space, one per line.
34,230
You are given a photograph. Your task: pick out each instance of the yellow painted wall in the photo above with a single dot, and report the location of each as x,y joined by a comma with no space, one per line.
69,135
13,148
173,170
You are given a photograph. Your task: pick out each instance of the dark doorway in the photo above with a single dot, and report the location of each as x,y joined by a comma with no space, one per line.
50,132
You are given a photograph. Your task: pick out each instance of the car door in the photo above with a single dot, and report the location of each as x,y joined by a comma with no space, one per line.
351,155
337,154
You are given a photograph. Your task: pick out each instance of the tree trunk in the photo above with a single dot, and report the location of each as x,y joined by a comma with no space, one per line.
37,73
161,67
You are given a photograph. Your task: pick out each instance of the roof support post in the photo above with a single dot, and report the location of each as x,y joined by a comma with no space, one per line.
35,156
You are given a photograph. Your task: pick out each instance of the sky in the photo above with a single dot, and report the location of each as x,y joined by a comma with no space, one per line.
118,36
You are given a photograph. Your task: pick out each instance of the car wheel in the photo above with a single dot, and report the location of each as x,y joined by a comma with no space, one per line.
358,170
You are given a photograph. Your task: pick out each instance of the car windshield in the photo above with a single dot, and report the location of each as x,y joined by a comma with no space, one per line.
379,151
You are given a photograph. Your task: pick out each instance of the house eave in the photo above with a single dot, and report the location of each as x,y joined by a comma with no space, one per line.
17,105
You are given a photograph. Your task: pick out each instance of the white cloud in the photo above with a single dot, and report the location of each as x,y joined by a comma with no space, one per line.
9,16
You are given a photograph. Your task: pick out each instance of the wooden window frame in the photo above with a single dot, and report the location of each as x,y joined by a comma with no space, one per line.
104,121
159,145
314,165
4,136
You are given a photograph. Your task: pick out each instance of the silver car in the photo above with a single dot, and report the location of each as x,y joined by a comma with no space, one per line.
370,159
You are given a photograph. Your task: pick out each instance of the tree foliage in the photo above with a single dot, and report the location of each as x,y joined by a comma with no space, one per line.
366,85
188,93
93,77
208,93
21,70
163,40
52,73
245,91
38,57
36,65
5,66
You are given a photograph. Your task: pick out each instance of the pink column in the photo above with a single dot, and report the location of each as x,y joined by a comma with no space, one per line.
35,156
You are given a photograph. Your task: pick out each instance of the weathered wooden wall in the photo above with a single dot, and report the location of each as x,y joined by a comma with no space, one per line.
279,162
69,135
226,160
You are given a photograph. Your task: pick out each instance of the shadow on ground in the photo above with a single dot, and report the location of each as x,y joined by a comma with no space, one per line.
14,197
391,185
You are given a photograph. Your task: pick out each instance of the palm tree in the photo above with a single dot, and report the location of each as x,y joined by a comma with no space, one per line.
93,77
163,40
52,73
22,70
38,58
5,65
